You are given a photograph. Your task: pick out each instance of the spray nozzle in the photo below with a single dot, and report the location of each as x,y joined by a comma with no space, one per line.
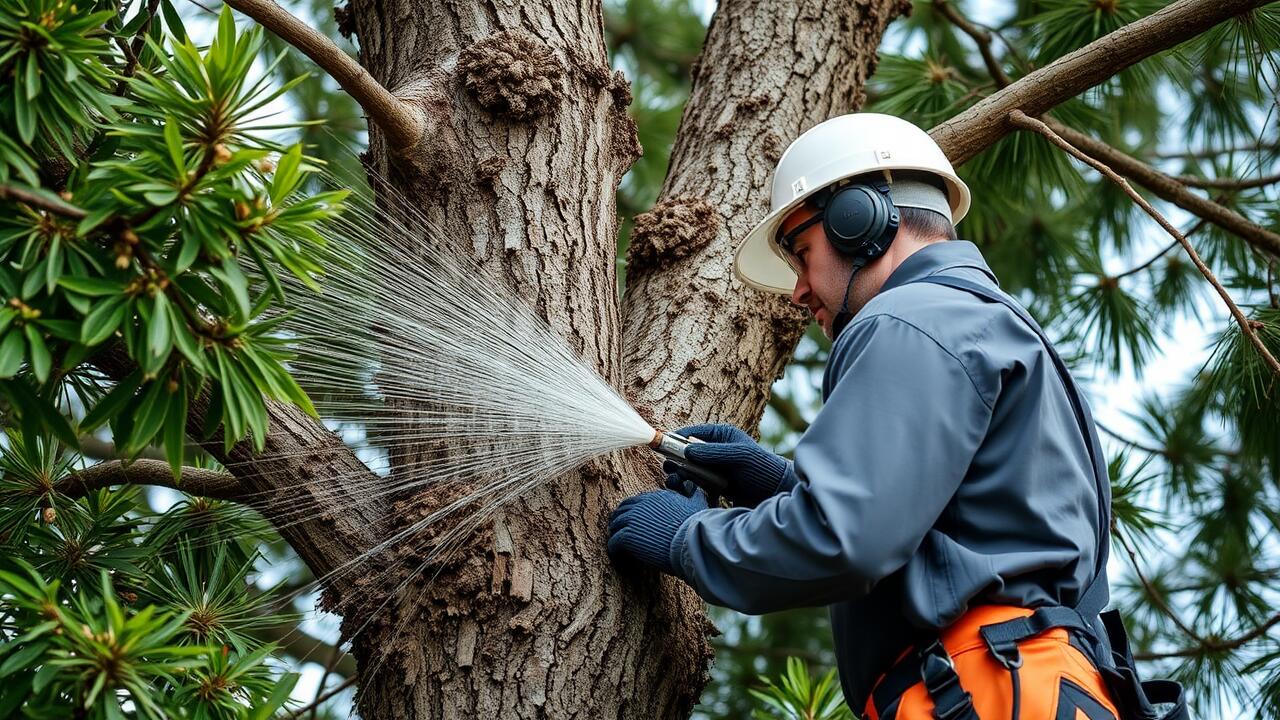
673,446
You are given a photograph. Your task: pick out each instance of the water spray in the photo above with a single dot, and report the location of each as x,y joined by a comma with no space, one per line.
409,344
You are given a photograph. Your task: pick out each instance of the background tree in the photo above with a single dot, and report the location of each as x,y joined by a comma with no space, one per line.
161,170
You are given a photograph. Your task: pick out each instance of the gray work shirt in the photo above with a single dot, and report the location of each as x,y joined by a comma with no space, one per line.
945,470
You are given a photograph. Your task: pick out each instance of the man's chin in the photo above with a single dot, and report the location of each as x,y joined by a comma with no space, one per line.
823,319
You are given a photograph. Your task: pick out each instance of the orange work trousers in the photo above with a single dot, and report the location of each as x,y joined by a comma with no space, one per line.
1052,678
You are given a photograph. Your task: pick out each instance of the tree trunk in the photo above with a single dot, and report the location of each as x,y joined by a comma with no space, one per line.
527,141
518,173
698,344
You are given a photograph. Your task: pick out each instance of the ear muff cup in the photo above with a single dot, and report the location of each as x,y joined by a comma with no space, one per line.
860,220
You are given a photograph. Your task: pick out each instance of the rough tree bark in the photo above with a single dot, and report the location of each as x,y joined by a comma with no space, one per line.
522,140
531,141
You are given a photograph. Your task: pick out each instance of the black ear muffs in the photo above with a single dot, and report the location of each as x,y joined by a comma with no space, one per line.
860,219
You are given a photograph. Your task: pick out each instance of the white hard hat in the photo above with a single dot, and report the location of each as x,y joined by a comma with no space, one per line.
839,148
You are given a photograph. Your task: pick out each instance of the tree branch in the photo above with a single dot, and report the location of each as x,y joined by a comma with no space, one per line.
1019,119
789,412
1155,594
1210,153
1164,251
1214,645
1149,449
977,128
1228,183
1168,188
22,195
323,698
305,648
980,36
404,124
196,481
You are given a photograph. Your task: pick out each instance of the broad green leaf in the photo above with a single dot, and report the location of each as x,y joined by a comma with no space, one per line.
159,339
91,286
173,141
11,353
105,318
39,353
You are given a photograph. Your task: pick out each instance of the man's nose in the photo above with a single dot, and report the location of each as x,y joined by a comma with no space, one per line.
800,295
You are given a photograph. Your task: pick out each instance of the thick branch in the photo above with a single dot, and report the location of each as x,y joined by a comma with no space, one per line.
196,481
1169,189
1019,119
977,128
403,123
1215,645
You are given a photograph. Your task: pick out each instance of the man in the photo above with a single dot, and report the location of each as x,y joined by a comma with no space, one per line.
949,503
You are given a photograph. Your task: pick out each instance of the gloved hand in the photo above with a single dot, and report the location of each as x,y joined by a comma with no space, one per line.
644,526
753,473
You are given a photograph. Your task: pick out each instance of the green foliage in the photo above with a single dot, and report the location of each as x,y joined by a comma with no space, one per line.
180,200
147,224
86,650
795,696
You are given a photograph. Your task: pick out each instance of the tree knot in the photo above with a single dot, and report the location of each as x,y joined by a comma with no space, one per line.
625,137
513,73
674,229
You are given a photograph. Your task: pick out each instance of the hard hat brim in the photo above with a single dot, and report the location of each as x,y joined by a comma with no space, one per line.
758,263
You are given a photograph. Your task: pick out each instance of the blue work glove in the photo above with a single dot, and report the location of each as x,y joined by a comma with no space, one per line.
753,474
644,527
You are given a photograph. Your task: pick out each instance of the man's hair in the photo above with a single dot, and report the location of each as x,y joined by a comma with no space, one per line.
926,224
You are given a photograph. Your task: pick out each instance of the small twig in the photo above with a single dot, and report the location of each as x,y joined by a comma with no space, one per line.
1021,120
1213,152
334,655
403,123
1130,442
65,209
1271,285
1214,645
1194,228
323,698
1228,183
979,36
135,48
1155,594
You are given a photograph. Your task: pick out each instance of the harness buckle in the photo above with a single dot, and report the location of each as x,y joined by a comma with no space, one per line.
938,673
1007,654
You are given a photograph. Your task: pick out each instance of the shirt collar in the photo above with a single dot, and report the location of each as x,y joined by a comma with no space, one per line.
936,257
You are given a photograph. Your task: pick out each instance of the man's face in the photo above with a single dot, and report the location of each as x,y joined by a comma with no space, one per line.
822,273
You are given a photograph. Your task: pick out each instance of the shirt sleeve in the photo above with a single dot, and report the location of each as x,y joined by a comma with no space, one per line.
875,470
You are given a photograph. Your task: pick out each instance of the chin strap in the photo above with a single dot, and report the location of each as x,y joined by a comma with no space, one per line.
843,316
